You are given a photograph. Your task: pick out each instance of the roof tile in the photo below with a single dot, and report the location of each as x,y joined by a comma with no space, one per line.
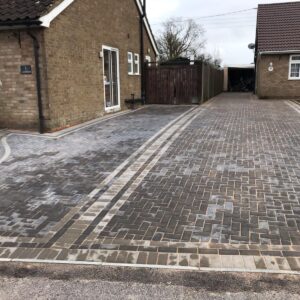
278,27
23,10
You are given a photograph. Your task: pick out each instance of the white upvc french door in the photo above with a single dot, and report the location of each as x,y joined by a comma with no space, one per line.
111,78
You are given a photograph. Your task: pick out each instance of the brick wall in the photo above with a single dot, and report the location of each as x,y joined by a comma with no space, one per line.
18,100
74,69
276,84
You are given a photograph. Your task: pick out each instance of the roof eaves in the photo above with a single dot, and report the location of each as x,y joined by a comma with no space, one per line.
278,52
46,20
4,25
277,3
49,17
148,27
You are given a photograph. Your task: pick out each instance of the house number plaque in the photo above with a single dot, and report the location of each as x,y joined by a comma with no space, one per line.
26,69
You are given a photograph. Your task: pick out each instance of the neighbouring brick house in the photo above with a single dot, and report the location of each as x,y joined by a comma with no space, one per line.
278,50
64,62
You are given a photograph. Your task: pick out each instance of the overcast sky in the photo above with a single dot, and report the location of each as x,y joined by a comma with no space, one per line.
227,35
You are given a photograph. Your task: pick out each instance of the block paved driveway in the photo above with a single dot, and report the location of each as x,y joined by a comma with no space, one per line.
215,186
44,178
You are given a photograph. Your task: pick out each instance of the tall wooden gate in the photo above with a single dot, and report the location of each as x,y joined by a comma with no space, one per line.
179,84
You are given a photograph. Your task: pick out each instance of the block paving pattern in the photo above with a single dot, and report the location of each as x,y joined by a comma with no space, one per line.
217,188
233,177
46,179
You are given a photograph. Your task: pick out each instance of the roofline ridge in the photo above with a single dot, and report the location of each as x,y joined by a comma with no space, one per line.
278,3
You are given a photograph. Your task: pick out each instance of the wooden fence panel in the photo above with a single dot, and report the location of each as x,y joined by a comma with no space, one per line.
182,84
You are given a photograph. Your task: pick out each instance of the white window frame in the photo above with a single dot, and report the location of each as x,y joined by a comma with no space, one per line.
290,67
130,62
148,60
136,63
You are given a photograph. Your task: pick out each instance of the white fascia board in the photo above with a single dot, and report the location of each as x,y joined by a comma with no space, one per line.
47,19
279,52
148,28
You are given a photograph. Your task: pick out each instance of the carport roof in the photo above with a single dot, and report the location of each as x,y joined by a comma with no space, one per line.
278,27
252,66
23,11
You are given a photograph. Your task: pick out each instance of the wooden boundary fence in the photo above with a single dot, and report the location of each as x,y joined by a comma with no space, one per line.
182,84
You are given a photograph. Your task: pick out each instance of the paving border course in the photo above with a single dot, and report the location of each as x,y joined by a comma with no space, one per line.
79,243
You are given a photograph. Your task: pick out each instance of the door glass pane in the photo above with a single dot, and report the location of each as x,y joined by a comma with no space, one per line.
107,78
106,66
114,76
111,78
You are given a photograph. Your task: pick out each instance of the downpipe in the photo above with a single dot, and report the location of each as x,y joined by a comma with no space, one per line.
142,53
36,47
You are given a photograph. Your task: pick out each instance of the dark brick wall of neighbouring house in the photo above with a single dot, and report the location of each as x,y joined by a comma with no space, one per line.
74,69
275,84
18,97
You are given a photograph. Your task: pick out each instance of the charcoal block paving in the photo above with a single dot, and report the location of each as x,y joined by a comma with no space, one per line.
217,187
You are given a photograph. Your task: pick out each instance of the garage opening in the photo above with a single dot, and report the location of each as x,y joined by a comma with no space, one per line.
239,78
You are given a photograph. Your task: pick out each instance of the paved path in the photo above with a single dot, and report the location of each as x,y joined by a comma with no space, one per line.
218,188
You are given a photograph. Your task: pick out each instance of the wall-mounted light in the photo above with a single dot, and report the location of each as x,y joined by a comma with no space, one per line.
101,54
192,59
271,67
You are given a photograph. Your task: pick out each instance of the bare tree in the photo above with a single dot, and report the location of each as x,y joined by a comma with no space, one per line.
217,61
214,60
180,38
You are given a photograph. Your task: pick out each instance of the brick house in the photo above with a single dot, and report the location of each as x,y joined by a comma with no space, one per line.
278,51
64,62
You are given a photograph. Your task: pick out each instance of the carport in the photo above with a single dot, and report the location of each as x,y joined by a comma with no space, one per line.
239,78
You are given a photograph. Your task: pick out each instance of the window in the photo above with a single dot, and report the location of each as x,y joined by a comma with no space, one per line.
133,63
130,63
294,67
148,60
136,67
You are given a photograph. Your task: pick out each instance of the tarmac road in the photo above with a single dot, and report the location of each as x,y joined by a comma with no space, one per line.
21,281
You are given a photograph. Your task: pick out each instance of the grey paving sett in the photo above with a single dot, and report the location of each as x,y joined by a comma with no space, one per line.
44,179
219,188
233,176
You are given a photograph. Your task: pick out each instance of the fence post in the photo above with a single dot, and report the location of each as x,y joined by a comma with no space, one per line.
202,83
209,74
213,82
